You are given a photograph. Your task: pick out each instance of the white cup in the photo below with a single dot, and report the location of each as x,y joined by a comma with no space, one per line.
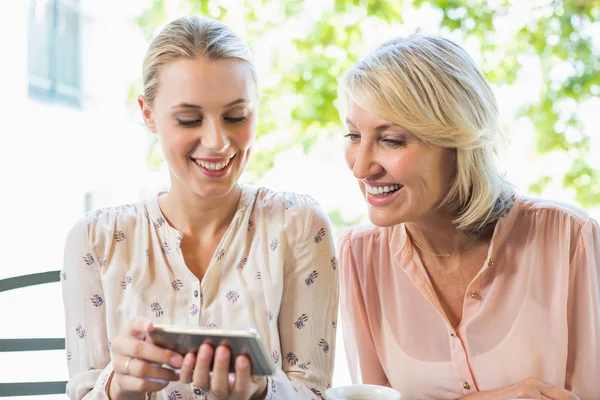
362,392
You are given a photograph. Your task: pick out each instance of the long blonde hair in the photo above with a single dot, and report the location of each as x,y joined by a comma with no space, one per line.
189,37
432,87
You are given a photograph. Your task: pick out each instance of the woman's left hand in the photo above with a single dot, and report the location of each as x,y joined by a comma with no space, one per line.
196,370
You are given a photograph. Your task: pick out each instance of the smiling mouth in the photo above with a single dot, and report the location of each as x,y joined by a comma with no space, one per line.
382,190
213,166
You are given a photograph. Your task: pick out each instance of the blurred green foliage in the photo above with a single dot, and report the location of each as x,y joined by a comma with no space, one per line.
303,71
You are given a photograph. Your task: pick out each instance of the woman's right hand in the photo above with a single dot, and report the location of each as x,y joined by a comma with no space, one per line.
137,362
530,388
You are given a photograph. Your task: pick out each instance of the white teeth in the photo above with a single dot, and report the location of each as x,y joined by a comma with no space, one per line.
380,190
213,166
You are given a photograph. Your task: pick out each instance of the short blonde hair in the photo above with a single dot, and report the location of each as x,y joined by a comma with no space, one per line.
189,37
432,87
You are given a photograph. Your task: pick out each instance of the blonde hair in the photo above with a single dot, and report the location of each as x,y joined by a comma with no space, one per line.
432,87
189,37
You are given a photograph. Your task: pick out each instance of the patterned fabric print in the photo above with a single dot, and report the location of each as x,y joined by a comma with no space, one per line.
63,276
178,239
258,276
242,263
119,236
160,221
269,316
88,259
304,366
301,321
316,391
212,325
334,323
158,312
274,244
320,235
81,333
311,278
220,254
97,300
334,263
250,224
291,358
177,285
166,249
324,345
194,310
128,280
232,297
175,395
275,356
288,205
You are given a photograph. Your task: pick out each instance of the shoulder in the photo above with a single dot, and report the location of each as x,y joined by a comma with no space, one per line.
550,215
359,242
100,227
288,207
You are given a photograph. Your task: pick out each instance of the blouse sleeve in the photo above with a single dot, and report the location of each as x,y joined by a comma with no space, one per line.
88,355
361,354
308,312
584,315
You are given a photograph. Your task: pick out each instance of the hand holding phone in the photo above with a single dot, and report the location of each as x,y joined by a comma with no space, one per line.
139,365
212,354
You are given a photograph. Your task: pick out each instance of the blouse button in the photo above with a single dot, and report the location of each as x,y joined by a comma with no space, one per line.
491,263
195,293
466,385
452,334
473,294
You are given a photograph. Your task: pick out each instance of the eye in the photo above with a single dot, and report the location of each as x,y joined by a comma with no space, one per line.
394,143
234,121
354,137
188,122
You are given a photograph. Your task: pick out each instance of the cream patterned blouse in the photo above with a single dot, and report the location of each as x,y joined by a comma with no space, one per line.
274,270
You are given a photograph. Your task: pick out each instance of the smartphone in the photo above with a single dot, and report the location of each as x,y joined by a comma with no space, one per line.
186,339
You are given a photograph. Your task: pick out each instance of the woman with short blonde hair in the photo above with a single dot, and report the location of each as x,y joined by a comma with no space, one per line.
460,287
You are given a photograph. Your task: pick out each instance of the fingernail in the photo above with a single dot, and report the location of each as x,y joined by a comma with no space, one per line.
222,354
242,363
204,354
147,325
176,361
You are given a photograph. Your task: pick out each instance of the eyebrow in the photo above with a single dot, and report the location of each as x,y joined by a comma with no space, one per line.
197,107
378,129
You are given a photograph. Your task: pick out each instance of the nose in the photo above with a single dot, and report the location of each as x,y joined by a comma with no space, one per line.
365,162
213,137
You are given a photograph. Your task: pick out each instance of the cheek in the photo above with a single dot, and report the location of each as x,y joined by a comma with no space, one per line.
350,156
174,141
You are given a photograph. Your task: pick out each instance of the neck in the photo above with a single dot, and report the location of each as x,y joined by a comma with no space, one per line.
197,216
436,233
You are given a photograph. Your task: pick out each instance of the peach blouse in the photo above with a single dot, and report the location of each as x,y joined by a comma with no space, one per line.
533,310
274,270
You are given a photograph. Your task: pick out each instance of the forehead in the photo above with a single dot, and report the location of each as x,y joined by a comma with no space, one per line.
363,119
204,82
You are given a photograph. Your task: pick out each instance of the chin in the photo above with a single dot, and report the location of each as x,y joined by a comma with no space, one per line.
214,190
384,219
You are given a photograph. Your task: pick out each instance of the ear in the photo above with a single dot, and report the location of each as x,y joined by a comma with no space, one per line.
146,113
